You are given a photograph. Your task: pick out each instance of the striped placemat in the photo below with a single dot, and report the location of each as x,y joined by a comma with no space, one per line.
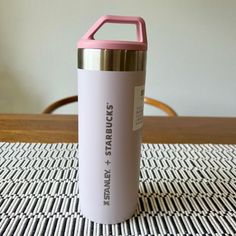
184,190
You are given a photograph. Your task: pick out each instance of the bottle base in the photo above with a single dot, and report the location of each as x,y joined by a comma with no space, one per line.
112,219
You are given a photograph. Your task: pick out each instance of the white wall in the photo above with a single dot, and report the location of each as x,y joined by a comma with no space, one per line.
191,57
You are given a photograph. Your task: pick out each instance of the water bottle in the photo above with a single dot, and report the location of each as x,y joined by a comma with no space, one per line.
111,80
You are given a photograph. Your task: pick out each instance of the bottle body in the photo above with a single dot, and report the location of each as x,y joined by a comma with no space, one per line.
111,79
111,93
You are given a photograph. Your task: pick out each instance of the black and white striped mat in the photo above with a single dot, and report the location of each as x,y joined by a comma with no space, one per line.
184,190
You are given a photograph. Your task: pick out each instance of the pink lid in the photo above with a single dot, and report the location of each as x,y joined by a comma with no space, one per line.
88,41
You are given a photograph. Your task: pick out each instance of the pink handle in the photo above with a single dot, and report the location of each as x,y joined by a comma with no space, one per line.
88,41
138,21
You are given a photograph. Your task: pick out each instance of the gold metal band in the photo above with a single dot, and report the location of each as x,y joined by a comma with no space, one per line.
111,60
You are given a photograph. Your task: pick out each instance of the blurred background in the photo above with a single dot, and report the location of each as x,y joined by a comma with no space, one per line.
191,62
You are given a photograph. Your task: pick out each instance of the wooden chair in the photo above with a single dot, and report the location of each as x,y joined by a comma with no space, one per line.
161,105
150,101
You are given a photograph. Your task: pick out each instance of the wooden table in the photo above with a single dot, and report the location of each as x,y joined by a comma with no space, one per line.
63,128
184,189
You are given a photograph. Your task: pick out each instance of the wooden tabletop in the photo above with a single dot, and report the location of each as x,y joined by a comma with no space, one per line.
63,128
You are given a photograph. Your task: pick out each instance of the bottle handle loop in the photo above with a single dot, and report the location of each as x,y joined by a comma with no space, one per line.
138,21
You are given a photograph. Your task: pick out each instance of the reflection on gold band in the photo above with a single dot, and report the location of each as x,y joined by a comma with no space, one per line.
111,60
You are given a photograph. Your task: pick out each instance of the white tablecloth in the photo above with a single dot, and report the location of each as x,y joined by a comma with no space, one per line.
184,190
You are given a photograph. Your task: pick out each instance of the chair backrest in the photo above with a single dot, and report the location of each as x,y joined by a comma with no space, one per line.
150,101
161,105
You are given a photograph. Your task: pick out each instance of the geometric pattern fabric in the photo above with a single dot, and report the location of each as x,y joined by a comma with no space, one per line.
184,189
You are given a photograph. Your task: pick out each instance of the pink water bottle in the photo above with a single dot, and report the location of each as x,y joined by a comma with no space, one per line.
111,79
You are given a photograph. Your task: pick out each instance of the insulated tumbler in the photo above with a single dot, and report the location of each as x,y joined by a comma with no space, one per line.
111,79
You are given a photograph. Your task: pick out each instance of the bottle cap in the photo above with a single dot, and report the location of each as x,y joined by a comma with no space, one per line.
88,40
